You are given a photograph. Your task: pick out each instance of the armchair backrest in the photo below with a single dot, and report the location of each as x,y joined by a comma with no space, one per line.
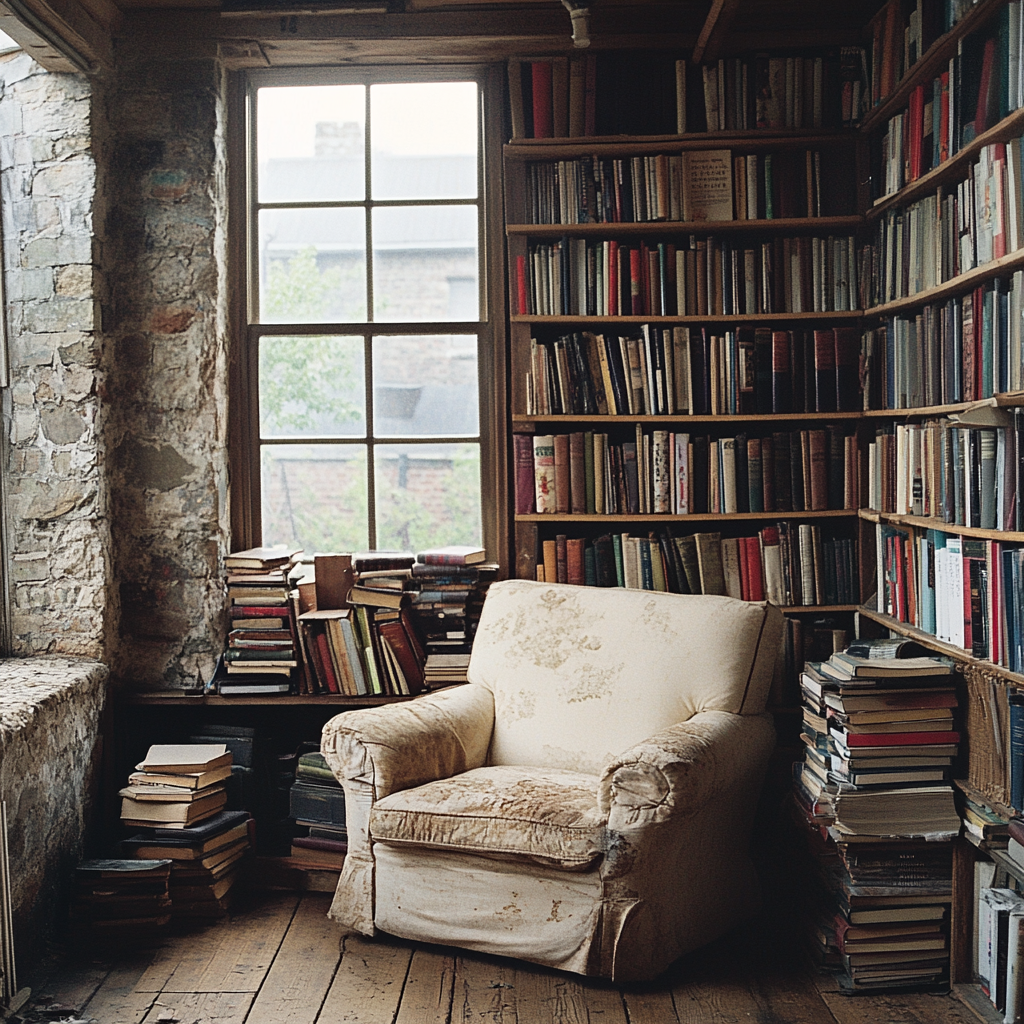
581,674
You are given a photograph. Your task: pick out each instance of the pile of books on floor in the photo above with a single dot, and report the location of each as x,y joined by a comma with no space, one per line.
405,623
260,656
120,898
1000,948
879,743
178,794
318,807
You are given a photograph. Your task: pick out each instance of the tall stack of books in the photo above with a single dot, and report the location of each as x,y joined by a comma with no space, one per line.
318,807
450,584
177,785
260,656
119,898
879,744
204,861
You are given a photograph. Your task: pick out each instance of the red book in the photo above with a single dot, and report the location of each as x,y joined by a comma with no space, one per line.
899,739
260,611
825,388
847,369
754,573
543,123
744,569
999,191
635,283
330,680
985,87
522,294
522,447
412,668
574,561
782,385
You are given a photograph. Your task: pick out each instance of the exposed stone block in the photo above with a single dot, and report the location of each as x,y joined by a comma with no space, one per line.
159,468
62,424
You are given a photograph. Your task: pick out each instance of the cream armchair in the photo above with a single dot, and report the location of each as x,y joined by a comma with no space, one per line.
585,801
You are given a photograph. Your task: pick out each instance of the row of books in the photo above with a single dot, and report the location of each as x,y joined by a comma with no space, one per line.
749,371
586,472
879,741
963,350
979,86
784,564
964,590
901,34
943,235
963,475
1000,939
603,94
696,185
710,276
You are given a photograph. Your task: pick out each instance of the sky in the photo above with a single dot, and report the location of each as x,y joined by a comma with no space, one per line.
414,119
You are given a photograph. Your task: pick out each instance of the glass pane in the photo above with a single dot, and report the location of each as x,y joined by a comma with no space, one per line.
425,263
311,143
425,386
312,386
314,496
427,494
312,266
423,140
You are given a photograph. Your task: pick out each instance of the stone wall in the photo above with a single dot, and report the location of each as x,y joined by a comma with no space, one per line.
161,217
53,422
49,756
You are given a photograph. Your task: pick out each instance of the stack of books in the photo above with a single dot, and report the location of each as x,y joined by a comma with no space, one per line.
118,898
204,861
879,745
450,583
177,785
318,807
260,655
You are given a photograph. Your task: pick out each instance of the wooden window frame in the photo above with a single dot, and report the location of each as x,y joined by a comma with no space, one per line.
491,329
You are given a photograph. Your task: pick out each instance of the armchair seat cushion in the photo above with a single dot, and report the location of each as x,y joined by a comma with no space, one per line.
546,816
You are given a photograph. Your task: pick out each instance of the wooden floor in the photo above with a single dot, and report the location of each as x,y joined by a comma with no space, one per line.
277,961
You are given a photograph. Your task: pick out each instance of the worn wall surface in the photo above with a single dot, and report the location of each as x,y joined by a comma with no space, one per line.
53,416
49,756
161,220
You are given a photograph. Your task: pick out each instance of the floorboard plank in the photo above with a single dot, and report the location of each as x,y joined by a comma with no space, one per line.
549,997
427,997
912,1008
74,985
654,1006
201,1008
713,984
485,990
199,945
117,1000
302,972
368,984
244,954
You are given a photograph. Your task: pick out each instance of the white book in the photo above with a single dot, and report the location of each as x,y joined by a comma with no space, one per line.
682,475
727,447
955,590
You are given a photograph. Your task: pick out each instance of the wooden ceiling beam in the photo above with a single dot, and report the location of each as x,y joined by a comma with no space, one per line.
63,35
716,28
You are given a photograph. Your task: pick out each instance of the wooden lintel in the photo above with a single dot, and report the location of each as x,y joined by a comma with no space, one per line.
64,35
716,28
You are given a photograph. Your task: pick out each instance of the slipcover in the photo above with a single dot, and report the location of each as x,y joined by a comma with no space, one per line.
585,801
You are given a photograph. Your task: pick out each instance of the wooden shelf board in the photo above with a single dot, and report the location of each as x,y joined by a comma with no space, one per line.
781,417
939,646
963,283
646,145
697,517
932,61
818,609
631,229
953,169
924,523
168,698
738,318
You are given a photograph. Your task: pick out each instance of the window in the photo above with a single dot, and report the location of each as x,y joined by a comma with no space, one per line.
369,327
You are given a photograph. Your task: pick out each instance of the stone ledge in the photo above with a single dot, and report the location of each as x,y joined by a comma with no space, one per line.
50,751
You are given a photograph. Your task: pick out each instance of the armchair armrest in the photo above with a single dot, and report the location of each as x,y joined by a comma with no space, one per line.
399,746
675,772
